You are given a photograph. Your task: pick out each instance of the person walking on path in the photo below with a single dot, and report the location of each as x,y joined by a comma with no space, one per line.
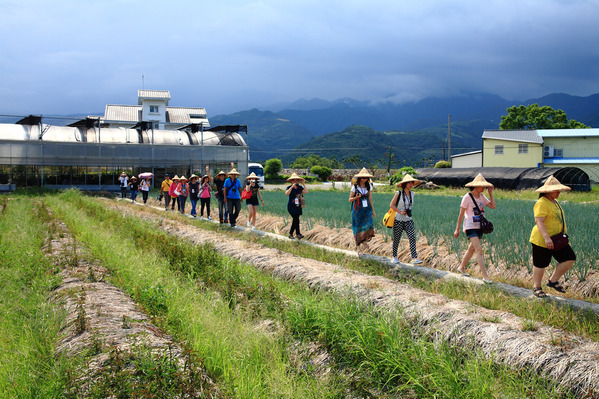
295,191
164,190
223,212
360,196
145,189
172,192
183,189
205,194
231,194
252,202
402,203
471,217
194,191
550,222
134,188
124,181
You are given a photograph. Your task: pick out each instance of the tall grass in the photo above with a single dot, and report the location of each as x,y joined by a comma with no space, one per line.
217,312
29,322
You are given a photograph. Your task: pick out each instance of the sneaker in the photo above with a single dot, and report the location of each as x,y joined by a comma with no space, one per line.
291,236
394,260
300,236
249,224
226,221
221,221
201,217
209,218
253,227
416,261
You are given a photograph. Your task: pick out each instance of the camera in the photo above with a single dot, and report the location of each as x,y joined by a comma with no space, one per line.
409,213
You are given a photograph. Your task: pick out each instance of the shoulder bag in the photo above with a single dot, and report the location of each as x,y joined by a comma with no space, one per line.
561,239
485,226
389,218
302,201
246,194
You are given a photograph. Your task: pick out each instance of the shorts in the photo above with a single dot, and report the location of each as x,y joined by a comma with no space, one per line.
474,233
541,256
252,201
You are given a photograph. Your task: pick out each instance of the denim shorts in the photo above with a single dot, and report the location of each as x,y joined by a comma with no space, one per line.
474,233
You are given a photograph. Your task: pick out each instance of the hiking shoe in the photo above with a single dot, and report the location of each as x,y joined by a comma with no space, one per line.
299,236
209,218
416,261
291,236
394,260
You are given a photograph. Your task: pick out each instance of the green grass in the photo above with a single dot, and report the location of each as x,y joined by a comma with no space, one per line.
214,303
29,321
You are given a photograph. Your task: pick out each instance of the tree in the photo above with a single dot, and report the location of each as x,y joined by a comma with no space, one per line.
534,117
322,171
443,164
306,162
399,175
272,167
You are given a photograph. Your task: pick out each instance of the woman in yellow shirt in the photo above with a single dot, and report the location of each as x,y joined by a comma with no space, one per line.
549,221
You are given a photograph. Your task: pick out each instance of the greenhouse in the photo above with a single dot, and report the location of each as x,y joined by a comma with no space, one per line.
90,156
508,178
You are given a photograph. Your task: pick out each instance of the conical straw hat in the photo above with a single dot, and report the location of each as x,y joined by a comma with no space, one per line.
252,176
408,178
363,173
183,178
234,172
176,177
552,184
479,181
221,173
293,177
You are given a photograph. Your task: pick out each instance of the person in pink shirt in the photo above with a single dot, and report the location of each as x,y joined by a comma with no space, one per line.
471,217
205,194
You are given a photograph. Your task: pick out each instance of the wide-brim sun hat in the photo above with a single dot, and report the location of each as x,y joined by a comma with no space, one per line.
479,181
408,178
176,177
252,176
193,176
364,173
234,172
221,173
183,178
552,184
293,176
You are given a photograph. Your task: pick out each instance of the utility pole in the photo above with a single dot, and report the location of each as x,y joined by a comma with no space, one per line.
444,150
389,164
449,137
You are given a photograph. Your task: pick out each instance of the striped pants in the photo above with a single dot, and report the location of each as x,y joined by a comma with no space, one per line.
398,228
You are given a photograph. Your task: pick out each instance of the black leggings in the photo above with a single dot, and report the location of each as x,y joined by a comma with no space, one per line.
144,195
205,202
295,225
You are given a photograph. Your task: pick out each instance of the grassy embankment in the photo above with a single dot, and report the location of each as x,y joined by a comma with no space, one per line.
215,304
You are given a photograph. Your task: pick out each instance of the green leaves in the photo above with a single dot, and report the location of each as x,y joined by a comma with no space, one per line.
535,117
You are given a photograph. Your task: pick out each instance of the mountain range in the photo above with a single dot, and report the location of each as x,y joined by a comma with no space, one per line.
415,131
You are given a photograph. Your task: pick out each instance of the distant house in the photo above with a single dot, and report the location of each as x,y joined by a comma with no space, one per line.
152,106
473,159
543,148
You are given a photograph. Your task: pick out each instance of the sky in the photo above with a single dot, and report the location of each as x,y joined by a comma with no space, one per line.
74,57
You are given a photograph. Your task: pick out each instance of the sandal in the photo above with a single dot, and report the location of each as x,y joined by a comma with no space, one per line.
538,292
556,286
463,273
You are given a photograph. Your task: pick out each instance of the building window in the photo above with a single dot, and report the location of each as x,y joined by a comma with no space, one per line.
522,148
558,152
154,108
498,150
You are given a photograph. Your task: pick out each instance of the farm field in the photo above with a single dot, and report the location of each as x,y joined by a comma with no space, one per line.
245,322
508,249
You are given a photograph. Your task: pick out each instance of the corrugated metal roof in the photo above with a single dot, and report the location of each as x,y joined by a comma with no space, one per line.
185,115
467,153
563,161
162,94
125,113
523,136
568,132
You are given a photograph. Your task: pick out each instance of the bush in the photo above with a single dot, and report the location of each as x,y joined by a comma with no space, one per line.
396,178
272,167
443,164
322,171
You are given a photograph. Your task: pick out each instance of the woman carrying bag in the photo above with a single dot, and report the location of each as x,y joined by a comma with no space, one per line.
362,213
294,193
253,192
402,205
550,225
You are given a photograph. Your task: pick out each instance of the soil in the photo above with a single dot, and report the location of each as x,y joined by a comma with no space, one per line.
571,360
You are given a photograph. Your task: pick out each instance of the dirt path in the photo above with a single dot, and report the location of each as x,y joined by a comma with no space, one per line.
568,359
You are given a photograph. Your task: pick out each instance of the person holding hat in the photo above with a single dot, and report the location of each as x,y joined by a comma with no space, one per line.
124,180
471,216
223,212
134,188
205,194
172,192
362,215
164,189
252,202
231,193
183,189
294,192
194,190
402,205
145,189
549,221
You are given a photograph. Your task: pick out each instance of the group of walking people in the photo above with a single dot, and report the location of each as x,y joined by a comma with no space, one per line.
548,237
134,187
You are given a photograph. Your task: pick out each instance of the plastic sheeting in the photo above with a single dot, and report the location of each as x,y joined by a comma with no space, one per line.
507,178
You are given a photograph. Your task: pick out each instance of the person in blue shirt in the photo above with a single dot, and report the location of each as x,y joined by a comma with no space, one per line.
232,196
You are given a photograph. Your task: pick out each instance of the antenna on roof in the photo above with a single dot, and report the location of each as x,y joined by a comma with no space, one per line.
142,82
